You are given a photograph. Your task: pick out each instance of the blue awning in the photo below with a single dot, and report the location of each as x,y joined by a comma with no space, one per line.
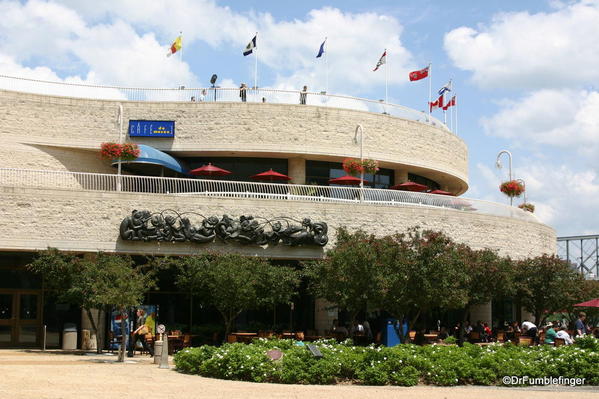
151,156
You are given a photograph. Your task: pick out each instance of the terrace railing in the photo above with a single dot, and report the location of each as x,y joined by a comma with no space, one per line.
217,94
77,181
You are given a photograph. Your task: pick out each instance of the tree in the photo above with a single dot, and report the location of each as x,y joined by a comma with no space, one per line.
547,284
421,271
233,283
95,281
490,276
348,275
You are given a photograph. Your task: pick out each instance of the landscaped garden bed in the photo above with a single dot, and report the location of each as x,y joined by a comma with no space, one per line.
400,365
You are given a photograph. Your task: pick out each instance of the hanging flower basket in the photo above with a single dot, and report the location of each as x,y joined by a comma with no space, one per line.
352,166
370,166
512,188
527,207
126,152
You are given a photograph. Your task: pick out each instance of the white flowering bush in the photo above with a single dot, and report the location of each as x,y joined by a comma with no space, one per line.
404,365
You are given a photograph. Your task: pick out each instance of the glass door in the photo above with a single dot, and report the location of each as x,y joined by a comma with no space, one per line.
7,320
20,318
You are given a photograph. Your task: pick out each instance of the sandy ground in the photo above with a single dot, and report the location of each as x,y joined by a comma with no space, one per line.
37,375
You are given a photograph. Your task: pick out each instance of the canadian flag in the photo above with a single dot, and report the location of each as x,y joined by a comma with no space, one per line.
450,103
438,103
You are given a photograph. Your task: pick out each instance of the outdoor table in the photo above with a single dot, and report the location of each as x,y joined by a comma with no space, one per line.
245,337
430,337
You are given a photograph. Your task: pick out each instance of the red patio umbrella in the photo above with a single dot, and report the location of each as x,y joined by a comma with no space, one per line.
271,175
410,186
347,180
593,303
441,192
209,170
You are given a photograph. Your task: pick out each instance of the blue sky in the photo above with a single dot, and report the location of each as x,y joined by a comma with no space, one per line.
524,71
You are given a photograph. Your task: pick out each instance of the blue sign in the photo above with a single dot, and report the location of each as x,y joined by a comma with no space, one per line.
151,128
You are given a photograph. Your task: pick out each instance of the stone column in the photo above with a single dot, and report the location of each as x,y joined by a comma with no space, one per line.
482,313
86,324
401,176
324,315
297,170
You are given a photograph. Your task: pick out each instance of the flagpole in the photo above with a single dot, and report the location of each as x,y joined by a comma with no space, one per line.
256,70
326,64
386,77
181,34
430,87
451,115
456,116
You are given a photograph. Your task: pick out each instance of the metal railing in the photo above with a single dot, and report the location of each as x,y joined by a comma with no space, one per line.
208,94
78,181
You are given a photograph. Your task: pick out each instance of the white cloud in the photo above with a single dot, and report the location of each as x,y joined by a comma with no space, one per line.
287,47
567,119
522,50
564,198
110,53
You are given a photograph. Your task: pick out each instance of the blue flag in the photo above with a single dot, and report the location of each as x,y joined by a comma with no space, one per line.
321,51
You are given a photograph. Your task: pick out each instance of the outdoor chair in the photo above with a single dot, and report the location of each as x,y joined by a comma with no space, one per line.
559,341
186,341
474,337
231,338
500,336
525,341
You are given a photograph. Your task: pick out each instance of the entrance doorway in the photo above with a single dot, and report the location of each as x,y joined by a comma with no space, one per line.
20,317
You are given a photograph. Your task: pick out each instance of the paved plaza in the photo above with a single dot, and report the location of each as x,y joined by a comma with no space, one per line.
37,375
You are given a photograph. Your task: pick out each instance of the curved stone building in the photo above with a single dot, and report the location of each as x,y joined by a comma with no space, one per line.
56,191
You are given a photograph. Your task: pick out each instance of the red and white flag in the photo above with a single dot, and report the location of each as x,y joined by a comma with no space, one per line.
382,60
438,103
450,103
417,75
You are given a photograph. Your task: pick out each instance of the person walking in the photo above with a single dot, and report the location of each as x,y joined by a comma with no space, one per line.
140,334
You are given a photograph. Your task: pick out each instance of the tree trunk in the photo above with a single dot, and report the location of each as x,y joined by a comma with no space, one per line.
462,325
123,348
95,328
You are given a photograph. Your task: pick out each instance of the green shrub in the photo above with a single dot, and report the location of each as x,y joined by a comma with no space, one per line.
404,365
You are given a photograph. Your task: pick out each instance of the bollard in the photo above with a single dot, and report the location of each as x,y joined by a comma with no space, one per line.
164,354
157,351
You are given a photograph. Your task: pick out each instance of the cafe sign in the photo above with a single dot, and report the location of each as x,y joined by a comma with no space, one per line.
143,128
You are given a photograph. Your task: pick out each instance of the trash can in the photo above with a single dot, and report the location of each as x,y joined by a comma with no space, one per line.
69,336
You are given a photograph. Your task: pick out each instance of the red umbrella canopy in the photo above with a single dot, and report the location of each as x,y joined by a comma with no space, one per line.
410,186
270,175
347,180
593,303
441,192
209,170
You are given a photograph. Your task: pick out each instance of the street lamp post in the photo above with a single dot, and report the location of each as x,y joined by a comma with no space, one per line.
360,130
119,168
498,164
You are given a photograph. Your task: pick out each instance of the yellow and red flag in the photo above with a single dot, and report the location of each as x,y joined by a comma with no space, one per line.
176,46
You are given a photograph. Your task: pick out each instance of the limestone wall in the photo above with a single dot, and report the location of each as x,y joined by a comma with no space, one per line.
226,129
89,221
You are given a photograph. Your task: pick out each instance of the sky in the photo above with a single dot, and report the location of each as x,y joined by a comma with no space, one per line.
525,73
